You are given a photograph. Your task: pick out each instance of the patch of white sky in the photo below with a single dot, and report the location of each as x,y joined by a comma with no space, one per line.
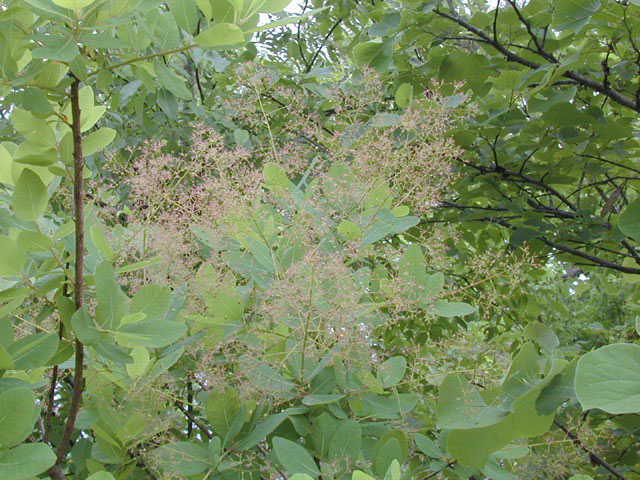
295,7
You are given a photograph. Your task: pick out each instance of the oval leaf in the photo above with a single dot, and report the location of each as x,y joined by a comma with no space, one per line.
608,379
16,415
391,371
29,197
294,458
12,258
452,309
152,334
629,221
73,4
182,458
221,35
34,350
26,461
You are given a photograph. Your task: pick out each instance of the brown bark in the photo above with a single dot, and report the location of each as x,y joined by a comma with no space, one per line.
56,472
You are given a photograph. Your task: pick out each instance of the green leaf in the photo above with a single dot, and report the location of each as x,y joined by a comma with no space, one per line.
97,140
300,476
294,457
360,475
542,334
34,241
322,399
107,348
206,8
34,350
386,223
12,258
460,405
391,371
349,231
26,461
275,179
452,309
472,447
84,327
66,229
392,406
16,415
182,458
629,220
132,267
221,35
404,95
73,4
62,48
322,429
523,373
560,390
167,102
272,6
112,302
33,128
6,362
101,476
29,197
100,241
412,272
288,20
151,334
608,379
172,81
267,426
427,446
35,154
572,15
377,55
390,452
165,33
185,13
227,306
390,447
344,447
434,285
5,166
265,377
220,409
141,360
152,300
34,99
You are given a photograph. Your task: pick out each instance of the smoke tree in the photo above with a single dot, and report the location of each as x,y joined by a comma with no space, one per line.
239,242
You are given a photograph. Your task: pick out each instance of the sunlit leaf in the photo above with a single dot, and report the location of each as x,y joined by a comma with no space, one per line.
30,196
607,378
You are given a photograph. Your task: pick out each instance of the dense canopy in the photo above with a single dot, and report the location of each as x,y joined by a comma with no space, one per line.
253,239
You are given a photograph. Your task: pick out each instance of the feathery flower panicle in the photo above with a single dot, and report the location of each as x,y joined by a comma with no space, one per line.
288,289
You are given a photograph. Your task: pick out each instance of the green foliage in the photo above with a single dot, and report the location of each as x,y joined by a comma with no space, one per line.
605,379
292,263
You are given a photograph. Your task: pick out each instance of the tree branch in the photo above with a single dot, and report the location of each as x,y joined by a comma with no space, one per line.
322,44
592,456
596,261
193,419
583,80
56,472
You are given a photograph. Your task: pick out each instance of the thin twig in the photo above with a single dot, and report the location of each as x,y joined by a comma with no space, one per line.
193,419
583,80
592,456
